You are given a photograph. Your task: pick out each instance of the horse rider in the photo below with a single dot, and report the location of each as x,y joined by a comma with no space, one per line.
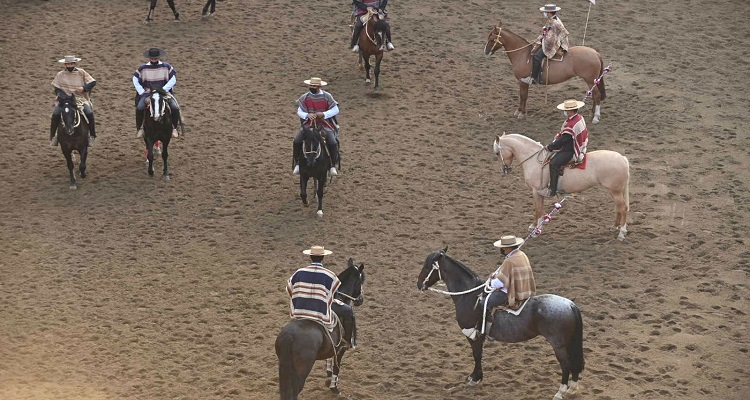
69,81
206,12
360,8
150,16
510,284
155,74
554,37
312,290
569,144
317,107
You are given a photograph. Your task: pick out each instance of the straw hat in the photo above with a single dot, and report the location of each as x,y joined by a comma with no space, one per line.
154,53
550,8
570,105
509,241
315,81
69,60
317,251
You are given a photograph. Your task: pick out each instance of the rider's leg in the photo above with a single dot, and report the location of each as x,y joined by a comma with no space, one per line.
346,316
537,66
175,116
333,149
297,151
388,40
355,34
557,162
140,106
54,123
92,123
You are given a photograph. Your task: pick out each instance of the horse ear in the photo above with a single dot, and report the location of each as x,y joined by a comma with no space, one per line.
351,262
445,250
499,23
361,267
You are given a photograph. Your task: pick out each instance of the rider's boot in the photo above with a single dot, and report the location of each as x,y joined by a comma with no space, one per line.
139,122
355,36
552,189
297,152
389,42
333,150
175,122
53,129
92,129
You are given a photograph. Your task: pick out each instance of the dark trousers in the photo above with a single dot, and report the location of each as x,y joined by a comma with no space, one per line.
496,298
536,71
346,316
211,3
557,162
358,25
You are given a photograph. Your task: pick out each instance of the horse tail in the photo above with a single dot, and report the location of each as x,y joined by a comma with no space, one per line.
287,374
626,192
575,347
600,85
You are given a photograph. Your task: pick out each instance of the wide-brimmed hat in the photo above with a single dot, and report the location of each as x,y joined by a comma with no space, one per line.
550,8
69,60
315,81
570,105
154,53
509,241
317,251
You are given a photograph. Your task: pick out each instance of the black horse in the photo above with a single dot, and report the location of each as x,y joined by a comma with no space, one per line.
314,163
152,6
556,318
157,126
73,134
302,341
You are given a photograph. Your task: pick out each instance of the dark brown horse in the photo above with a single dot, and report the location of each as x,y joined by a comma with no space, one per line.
301,342
157,125
73,134
372,39
580,61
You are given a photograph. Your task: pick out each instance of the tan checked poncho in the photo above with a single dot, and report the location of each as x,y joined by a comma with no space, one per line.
516,275
69,82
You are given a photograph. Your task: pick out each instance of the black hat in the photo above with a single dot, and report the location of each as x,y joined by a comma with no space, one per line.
153,53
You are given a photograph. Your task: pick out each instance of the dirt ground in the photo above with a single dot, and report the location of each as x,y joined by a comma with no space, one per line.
135,288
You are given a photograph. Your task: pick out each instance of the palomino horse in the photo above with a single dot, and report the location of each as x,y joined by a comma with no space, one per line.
580,61
371,42
157,126
73,134
315,164
302,341
605,168
556,318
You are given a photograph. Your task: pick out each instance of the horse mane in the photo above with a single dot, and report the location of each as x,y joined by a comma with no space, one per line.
348,273
523,138
513,34
432,257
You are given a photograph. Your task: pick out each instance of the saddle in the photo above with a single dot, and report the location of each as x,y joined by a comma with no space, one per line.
370,13
572,164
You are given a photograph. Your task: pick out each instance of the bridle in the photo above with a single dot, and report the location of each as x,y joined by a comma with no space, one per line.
316,152
498,42
359,299
508,168
436,267
69,103
157,106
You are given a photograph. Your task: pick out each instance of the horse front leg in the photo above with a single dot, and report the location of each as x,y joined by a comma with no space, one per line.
538,211
82,163
321,187
68,153
333,373
303,188
596,109
378,58
523,92
477,347
150,156
164,156
367,68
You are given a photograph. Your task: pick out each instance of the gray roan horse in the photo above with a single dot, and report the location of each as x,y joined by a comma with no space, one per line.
302,341
556,318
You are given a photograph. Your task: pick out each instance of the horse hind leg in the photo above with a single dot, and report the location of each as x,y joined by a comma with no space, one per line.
69,161
367,68
564,359
378,58
164,156
82,163
321,187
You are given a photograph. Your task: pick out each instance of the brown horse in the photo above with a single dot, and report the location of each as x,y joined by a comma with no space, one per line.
580,61
605,168
371,42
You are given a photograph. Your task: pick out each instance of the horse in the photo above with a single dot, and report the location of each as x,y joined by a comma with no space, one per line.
581,61
301,342
555,318
605,168
371,41
73,134
315,164
157,126
152,6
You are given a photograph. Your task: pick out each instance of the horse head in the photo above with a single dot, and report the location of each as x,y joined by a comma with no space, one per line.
69,111
431,270
504,153
157,103
312,139
352,279
494,40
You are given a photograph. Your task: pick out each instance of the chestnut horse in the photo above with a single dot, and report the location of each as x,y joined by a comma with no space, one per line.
605,168
580,61
371,42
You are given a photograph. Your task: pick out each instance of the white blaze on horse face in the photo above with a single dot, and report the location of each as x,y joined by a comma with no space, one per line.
156,110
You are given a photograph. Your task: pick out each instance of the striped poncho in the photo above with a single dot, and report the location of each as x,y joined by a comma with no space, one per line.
312,289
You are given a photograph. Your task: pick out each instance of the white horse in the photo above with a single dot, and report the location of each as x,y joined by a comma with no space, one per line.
606,168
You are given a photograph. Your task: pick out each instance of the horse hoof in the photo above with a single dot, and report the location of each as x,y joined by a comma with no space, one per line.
73,186
335,390
165,177
367,81
83,174
376,88
320,213
472,382
595,120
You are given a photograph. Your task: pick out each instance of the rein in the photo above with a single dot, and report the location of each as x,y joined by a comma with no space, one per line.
436,267
509,167
497,41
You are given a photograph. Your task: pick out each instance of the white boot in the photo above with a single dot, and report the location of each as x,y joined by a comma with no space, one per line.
527,80
140,133
296,170
175,133
91,141
53,141
355,48
333,171
390,47
470,333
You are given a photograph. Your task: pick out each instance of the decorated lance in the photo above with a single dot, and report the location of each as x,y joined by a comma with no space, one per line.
587,22
538,229
596,81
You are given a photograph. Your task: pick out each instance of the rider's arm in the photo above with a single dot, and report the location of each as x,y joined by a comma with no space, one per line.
359,4
300,113
560,143
170,83
137,84
87,87
332,112
59,91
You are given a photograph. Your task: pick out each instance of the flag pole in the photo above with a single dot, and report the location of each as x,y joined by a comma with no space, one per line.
587,24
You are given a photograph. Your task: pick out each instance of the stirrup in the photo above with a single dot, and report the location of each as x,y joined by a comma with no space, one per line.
390,46
545,192
53,141
527,80
175,133
140,133
333,171
91,141
296,170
